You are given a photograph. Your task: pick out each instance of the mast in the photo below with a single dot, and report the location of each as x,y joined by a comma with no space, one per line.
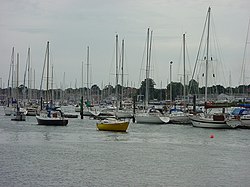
29,75
184,70
52,74
12,69
47,83
34,79
207,53
243,70
116,72
122,72
82,81
170,73
30,85
147,71
17,75
27,71
88,91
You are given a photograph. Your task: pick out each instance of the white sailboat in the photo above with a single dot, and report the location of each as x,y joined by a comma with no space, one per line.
88,110
30,107
122,112
215,120
10,108
50,116
178,116
150,116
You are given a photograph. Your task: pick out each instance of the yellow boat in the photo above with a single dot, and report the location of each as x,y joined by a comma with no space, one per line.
112,125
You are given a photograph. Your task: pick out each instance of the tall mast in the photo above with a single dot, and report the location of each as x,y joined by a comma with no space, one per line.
243,70
207,53
52,74
88,91
29,74
82,81
184,69
47,83
116,72
147,71
12,68
17,70
122,71
17,76
34,79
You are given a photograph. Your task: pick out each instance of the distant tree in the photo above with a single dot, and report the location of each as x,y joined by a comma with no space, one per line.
95,89
142,90
108,90
177,89
193,87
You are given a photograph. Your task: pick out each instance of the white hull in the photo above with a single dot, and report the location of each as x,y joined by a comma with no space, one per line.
8,111
180,119
77,109
88,113
204,122
123,114
31,111
151,119
245,121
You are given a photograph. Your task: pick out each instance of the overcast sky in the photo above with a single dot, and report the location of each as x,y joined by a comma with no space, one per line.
72,25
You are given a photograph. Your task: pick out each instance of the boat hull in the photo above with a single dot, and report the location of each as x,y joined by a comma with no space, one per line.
31,112
184,119
8,111
151,119
88,113
51,121
210,123
113,126
245,121
19,117
123,114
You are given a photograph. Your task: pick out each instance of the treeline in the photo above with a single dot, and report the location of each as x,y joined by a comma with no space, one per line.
128,92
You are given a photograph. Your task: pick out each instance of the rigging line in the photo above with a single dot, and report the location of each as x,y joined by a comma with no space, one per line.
142,64
197,57
12,61
152,59
126,64
189,66
112,65
242,74
43,70
180,58
25,71
221,60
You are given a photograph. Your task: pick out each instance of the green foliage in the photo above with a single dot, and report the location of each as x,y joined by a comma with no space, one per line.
193,87
142,90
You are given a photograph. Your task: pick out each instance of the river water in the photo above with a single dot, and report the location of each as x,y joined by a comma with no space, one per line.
147,155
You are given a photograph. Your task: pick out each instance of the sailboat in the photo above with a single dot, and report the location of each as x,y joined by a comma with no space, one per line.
112,124
151,116
122,111
10,108
50,115
178,116
244,110
19,113
88,110
216,120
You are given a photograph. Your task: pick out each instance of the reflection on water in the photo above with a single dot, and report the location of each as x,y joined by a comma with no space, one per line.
147,155
46,136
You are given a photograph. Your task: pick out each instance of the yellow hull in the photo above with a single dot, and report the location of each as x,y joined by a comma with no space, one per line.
118,126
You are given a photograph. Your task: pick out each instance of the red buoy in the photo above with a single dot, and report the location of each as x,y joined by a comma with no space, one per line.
211,136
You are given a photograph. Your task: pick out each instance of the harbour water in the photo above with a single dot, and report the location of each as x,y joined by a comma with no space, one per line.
147,155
